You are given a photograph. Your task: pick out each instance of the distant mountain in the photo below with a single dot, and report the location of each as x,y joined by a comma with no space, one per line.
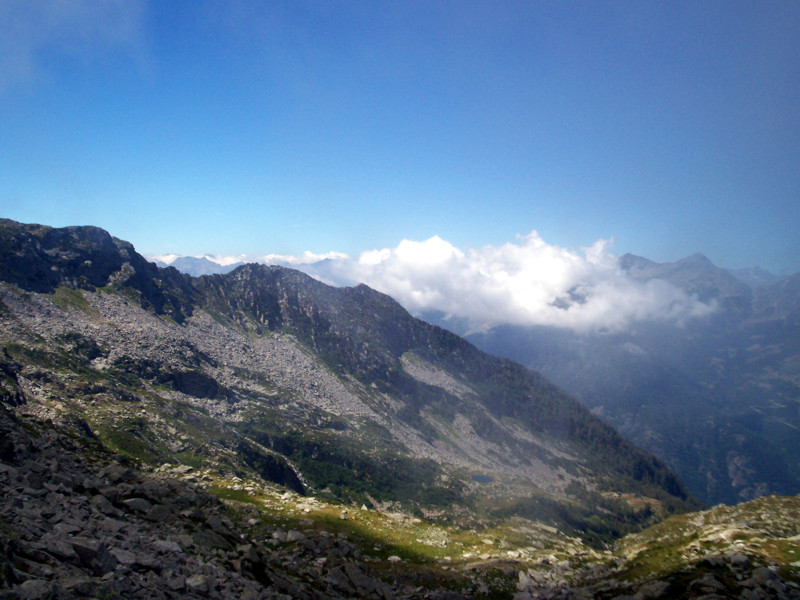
694,274
717,398
321,269
196,267
755,277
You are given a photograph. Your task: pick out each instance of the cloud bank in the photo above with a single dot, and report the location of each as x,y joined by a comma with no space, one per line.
288,260
306,258
527,282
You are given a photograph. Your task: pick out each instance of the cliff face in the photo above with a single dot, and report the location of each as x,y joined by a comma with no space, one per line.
38,258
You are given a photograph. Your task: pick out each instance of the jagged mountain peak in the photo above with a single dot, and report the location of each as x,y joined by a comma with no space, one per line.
695,274
40,259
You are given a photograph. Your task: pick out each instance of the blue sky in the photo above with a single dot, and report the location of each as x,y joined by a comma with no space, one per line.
281,127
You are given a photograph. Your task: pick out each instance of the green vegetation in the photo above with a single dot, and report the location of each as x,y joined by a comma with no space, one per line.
598,521
67,298
72,361
681,539
80,345
132,436
339,468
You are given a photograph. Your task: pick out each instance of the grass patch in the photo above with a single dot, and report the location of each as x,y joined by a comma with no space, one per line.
188,457
226,493
68,298
131,436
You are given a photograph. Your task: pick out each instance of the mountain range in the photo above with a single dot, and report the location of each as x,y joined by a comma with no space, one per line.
260,434
196,266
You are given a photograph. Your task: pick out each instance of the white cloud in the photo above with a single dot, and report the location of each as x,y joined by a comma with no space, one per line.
527,282
167,259
226,260
306,258
78,28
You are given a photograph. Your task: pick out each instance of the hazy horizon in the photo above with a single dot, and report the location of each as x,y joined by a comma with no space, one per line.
524,282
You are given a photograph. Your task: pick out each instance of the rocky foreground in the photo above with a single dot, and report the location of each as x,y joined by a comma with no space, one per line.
78,522
73,528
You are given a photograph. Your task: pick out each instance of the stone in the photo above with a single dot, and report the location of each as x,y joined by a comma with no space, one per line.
219,526
359,579
138,504
104,505
59,547
35,589
116,473
708,583
294,536
249,593
124,557
159,512
111,525
652,590
739,561
339,581
714,561
197,583
764,575
524,581
209,539
153,490
83,588
148,562
94,555
166,546
177,583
